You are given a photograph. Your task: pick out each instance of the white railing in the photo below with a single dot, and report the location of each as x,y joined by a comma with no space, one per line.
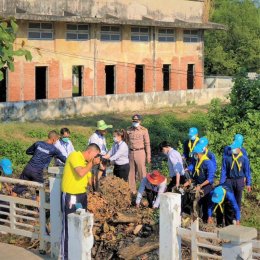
26,217
35,215
171,235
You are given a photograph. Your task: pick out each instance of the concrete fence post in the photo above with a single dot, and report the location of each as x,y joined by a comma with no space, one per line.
80,236
55,209
194,240
240,246
170,220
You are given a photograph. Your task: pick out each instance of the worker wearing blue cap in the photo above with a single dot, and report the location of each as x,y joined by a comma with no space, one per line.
190,144
203,141
235,171
224,203
239,138
6,170
203,177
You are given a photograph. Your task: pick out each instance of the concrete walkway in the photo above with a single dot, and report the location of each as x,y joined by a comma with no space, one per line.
11,252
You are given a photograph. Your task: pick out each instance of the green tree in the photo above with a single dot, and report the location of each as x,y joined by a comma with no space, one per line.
8,30
226,52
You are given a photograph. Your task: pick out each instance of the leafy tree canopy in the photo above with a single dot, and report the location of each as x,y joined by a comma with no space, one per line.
226,52
8,31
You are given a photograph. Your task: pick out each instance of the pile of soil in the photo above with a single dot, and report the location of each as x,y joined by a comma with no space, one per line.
120,229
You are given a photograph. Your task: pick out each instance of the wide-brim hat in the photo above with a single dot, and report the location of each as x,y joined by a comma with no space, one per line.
155,177
101,125
218,194
6,165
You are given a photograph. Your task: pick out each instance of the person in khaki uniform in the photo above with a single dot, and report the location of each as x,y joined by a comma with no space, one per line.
139,151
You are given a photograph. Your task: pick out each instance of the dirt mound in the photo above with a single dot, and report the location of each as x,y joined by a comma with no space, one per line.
114,196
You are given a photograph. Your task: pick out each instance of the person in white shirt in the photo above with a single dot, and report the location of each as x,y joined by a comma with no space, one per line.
175,165
153,184
64,145
99,139
119,154
99,136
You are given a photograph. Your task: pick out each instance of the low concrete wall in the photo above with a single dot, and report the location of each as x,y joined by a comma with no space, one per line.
218,82
80,106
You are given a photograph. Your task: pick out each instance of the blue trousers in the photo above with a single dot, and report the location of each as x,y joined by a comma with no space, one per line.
66,209
238,187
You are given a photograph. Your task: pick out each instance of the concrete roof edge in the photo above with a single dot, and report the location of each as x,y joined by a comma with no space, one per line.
116,21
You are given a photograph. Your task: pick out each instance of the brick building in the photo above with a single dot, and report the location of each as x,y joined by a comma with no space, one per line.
95,48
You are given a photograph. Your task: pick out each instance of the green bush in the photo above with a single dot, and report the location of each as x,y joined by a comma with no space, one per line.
15,151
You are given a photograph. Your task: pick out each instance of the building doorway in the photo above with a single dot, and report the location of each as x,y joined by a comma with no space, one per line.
41,82
110,79
166,76
139,78
77,73
3,86
190,76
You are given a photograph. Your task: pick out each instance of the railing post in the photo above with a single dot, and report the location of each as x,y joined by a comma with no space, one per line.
240,246
80,236
170,220
12,215
194,240
42,220
55,209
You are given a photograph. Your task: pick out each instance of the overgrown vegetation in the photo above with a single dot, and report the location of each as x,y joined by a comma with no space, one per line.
226,52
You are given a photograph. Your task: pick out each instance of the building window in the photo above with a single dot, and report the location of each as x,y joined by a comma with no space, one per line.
191,36
139,78
41,82
166,35
40,31
110,33
190,76
77,78
140,34
3,85
77,32
166,76
110,79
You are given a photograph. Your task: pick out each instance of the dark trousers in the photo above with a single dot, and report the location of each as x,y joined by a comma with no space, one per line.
66,209
122,171
204,202
238,187
151,196
29,174
173,182
228,215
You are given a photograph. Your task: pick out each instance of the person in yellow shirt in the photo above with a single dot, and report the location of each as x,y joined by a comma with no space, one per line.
76,177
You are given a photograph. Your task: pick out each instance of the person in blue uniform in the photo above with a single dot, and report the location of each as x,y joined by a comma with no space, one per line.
6,170
204,142
203,177
42,153
236,171
240,139
224,203
189,144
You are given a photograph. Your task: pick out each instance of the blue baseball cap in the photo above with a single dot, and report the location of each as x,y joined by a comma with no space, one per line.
239,138
204,141
218,194
198,149
235,145
6,165
193,131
